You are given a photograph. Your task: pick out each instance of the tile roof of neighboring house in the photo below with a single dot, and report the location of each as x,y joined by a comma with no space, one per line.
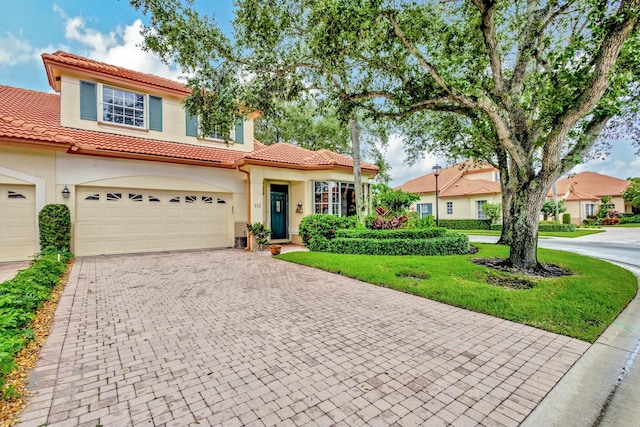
465,187
70,60
34,117
590,186
451,175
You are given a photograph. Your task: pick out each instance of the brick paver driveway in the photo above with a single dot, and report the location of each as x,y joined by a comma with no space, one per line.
233,338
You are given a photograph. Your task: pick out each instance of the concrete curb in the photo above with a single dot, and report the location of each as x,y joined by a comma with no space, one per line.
593,384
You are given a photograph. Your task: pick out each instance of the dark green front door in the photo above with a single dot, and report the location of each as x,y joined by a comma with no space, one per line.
279,211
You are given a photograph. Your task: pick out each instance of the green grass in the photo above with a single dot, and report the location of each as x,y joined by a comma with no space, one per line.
580,306
577,233
630,225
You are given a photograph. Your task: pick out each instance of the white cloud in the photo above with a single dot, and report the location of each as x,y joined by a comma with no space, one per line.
121,46
16,50
401,170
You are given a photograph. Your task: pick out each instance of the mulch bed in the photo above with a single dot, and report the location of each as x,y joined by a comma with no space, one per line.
27,357
543,270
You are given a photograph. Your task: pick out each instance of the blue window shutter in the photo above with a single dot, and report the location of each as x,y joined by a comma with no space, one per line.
239,131
418,206
192,125
88,101
155,113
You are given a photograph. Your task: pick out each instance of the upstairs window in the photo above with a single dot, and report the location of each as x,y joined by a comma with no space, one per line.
236,135
109,104
123,107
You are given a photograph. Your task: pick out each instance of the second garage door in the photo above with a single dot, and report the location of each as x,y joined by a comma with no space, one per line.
123,220
17,222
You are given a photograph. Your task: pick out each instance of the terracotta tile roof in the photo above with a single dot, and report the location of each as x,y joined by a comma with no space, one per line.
466,187
70,60
30,115
293,155
448,176
590,186
34,117
577,195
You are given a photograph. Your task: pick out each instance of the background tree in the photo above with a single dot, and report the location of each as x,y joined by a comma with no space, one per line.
550,208
632,194
544,77
493,211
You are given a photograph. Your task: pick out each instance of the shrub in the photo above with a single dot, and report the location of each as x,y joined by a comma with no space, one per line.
404,233
427,221
316,230
549,226
493,211
398,201
19,299
630,219
466,224
260,232
610,220
385,219
449,244
54,222
556,226
566,218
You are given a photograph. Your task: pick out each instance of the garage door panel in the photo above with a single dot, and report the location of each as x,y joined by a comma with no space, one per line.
17,222
128,220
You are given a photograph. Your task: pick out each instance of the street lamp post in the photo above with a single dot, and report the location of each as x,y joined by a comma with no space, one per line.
436,172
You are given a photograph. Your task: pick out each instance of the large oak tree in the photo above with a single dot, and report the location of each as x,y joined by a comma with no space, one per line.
534,82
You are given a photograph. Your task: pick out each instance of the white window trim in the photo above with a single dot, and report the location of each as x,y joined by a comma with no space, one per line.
100,100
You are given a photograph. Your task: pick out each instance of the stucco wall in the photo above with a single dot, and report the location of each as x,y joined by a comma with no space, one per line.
463,207
173,118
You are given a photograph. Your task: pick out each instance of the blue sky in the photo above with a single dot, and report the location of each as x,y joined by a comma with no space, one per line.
109,31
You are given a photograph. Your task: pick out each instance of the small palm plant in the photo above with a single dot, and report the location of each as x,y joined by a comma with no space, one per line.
261,234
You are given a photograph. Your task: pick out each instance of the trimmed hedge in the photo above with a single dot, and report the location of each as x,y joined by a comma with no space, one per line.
566,218
556,227
635,219
401,233
466,224
316,230
20,297
54,222
449,244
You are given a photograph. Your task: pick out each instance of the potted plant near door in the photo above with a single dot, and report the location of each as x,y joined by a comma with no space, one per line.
275,249
260,232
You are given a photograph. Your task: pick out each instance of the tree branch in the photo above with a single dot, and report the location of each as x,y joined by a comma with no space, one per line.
487,9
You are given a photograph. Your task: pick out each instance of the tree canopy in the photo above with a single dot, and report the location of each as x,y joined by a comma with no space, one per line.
632,194
529,85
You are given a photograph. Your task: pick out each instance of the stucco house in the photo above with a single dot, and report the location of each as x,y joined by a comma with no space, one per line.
117,147
582,192
464,187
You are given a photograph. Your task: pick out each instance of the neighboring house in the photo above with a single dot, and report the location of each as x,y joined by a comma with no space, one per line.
463,189
117,147
582,193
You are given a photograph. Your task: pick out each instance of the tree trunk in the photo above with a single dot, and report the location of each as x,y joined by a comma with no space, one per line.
357,174
525,211
507,200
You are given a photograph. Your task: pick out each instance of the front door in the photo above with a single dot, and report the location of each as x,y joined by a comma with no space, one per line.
279,211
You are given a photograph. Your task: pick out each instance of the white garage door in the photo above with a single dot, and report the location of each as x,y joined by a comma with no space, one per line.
17,222
124,220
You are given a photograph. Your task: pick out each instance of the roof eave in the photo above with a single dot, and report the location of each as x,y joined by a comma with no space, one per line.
51,65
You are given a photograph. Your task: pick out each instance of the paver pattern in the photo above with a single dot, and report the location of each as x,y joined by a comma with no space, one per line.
235,339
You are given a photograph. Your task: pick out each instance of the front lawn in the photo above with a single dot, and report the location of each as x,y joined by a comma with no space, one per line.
577,233
580,306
